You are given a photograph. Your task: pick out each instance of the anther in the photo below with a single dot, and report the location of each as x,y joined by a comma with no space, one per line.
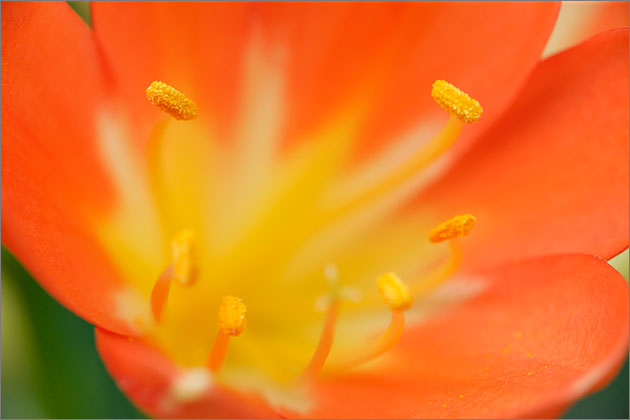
185,269
232,322
452,230
171,101
394,292
456,102
397,297
455,227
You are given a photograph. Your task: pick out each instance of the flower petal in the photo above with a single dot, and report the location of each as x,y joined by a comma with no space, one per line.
543,333
165,390
386,60
552,175
52,178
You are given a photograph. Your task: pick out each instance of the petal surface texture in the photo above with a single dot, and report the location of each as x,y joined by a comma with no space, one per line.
527,346
379,69
552,175
151,381
53,182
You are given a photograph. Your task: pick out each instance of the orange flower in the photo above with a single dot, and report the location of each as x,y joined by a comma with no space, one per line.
245,258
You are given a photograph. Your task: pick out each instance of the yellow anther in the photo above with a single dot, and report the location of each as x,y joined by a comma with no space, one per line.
185,269
232,320
394,292
172,101
456,102
455,227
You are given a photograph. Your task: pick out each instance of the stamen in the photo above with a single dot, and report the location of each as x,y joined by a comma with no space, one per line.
397,297
330,302
159,294
232,322
394,292
456,102
462,109
452,230
171,101
325,343
185,257
458,226
183,269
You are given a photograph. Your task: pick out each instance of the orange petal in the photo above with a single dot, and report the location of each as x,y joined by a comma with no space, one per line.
552,175
542,334
52,177
196,47
386,59
149,379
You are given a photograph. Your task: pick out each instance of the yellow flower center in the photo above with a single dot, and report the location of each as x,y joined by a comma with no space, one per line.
305,240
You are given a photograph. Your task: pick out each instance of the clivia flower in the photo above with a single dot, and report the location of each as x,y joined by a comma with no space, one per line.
264,212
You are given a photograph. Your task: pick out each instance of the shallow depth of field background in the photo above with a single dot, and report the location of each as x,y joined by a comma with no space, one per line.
50,367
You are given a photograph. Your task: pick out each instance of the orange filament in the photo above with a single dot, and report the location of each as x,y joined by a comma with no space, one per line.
218,351
398,298
182,269
380,345
325,343
383,342
232,322
159,294
453,263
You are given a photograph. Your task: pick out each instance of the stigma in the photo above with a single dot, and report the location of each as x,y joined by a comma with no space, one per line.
394,292
232,320
456,102
171,101
455,227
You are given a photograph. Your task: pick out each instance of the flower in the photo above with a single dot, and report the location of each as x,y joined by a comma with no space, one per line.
309,169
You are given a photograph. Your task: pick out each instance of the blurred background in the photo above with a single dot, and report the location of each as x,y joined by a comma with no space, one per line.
50,367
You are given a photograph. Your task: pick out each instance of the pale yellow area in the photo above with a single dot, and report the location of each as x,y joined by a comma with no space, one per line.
620,263
574,22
